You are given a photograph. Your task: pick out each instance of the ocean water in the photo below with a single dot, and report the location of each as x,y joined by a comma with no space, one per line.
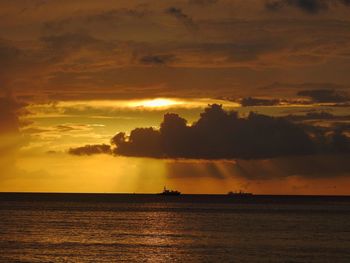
188,228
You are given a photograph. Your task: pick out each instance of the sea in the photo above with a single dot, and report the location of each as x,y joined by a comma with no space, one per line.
187,228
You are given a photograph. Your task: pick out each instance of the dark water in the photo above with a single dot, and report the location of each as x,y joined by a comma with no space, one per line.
149,228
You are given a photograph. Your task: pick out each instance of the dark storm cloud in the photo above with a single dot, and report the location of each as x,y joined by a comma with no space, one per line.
157,59
223,135
325,95
217,135
308,6
262,146
182,17
91,149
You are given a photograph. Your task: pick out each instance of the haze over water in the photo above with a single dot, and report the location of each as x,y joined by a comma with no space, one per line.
188,228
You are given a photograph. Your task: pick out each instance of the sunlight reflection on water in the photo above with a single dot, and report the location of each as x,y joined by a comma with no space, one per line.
173,232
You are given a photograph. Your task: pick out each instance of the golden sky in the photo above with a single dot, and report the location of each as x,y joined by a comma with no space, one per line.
75,73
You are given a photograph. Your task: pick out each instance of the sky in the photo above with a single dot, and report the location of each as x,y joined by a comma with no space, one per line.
203,96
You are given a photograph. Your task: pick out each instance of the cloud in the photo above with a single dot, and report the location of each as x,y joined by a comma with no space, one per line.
72,127
312,166
35,130
325,95
217,135
9,111
279,86
202,2
308,6
28,67
307,93
105,19
10,59
313,116
10,137
63,44
34,5
157,59
90,149
8,53
93,52
319,115
182,17
250,101
334,94
323,126
220,134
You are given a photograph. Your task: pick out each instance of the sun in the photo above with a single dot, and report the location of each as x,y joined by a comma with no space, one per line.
157,103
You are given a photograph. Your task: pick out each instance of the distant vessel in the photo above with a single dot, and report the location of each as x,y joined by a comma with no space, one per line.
239,194
169,192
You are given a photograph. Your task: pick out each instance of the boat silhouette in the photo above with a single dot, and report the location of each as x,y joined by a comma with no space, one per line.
169,192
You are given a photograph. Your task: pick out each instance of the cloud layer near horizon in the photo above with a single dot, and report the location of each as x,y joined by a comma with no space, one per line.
219,134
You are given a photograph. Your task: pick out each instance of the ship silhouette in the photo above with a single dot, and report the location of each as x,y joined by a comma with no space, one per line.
169,192
240,193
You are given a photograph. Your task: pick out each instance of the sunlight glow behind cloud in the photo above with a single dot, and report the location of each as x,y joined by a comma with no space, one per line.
158,102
